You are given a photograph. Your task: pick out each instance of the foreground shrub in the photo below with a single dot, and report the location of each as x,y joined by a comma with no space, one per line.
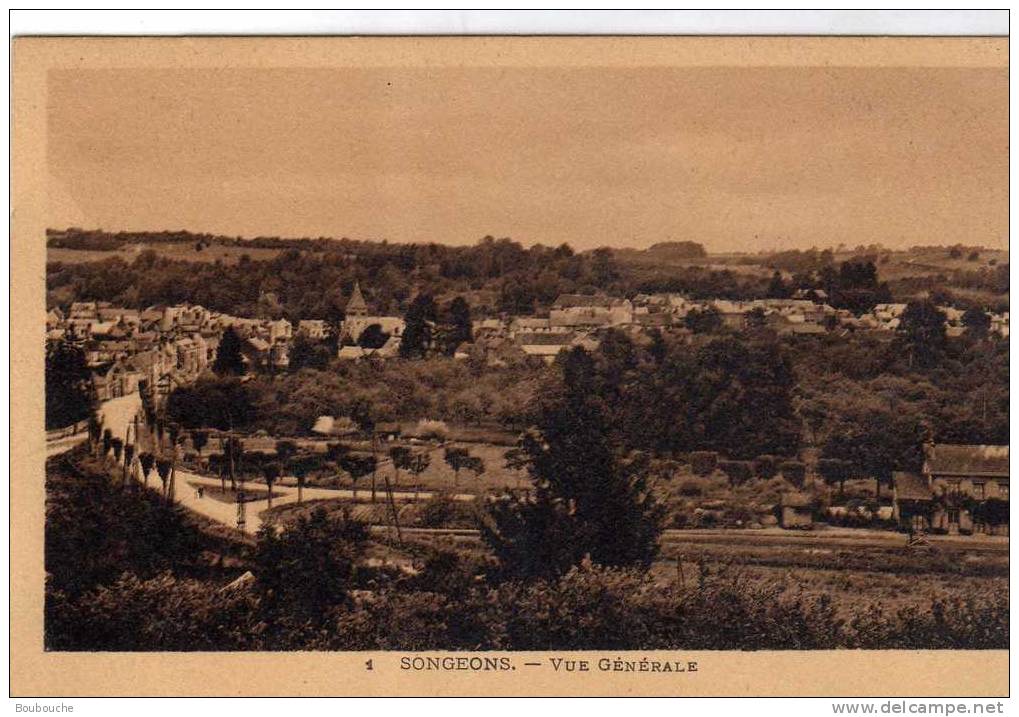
161,613
308,566
703,462
443,511
587,608
766,466
953,624
738,472
690,489
95,531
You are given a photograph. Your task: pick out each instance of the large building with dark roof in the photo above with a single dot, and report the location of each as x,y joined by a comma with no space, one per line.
961,490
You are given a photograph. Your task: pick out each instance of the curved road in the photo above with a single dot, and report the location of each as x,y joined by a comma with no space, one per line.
118,414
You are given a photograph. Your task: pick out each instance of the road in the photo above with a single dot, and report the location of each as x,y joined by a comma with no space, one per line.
63,445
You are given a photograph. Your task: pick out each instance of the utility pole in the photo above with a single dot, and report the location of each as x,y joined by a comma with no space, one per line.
392,506
241,518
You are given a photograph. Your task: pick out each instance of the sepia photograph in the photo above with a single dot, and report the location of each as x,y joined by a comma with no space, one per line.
457,348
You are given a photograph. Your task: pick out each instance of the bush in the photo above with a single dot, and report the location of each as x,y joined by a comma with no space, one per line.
443,511
95,532
308,567
993,511
738,472
690,489
795,472
703,462
766,466
430,429
160,613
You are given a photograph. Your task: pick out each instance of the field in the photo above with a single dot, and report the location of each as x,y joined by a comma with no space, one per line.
854,567
177,251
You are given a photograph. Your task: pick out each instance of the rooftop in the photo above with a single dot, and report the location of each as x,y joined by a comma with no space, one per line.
966,460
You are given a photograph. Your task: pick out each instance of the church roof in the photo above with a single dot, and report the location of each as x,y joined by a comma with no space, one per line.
356,305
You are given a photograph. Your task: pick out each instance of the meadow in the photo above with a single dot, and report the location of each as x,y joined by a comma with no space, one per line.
178,251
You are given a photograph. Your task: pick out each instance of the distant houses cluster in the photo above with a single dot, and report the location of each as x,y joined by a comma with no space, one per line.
578,319
165,346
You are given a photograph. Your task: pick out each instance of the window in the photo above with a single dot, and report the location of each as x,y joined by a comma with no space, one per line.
1003,489
979,491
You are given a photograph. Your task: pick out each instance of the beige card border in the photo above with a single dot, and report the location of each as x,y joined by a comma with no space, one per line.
38,673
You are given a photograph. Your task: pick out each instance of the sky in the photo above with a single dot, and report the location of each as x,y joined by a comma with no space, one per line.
736,158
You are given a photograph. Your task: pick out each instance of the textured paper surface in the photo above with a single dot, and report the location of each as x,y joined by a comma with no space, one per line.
35,672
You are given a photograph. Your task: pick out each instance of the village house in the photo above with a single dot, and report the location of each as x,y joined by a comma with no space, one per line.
797,510
488,328
790,324
280,330
54,319
211,340
314,329
590,311
544,345
798,310
390,349
120,379
100,353
183,316
732,313
953,321
351,353
888,316
534,325
549,345
128,318
676,304
279,355
190,355
151,366
999,324
955,481
256,352
83,311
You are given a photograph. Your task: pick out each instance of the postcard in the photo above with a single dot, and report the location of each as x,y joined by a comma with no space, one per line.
510,366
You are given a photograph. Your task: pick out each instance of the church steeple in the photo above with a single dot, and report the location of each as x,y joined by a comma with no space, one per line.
356,305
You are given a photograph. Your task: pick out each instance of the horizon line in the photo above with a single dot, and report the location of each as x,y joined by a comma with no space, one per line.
262,237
